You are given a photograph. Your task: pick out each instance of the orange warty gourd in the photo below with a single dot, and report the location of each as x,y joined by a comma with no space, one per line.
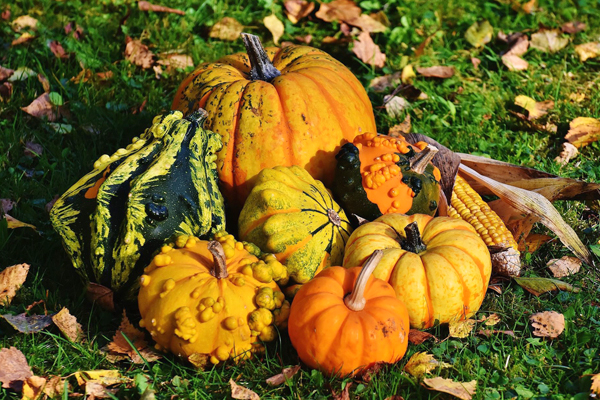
290,106
441,275
344,320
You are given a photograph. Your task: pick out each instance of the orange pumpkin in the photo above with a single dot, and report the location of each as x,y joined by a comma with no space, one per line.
290,106
344,320
441,275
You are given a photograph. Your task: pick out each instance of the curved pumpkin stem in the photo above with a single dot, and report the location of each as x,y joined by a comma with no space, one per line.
261,67
219,270
356,300
421,160
414,242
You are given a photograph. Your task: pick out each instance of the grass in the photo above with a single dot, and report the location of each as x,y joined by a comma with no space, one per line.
468,112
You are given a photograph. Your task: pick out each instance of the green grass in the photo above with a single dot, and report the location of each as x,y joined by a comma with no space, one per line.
468,112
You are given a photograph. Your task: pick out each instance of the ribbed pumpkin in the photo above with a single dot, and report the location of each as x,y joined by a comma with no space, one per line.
293,216
290,106
213,300
441,275
378,174
344,320
162,185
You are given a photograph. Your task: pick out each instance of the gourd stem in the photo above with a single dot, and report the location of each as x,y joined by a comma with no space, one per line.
334,217
356,300
261,67
219,270
421,160
413,242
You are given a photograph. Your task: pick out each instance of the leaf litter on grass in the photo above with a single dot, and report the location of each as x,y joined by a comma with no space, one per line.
11,279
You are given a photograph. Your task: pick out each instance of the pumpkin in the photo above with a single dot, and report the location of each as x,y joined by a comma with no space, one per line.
291,106
378,174
293,216
211,300
344,320
441,275
162,185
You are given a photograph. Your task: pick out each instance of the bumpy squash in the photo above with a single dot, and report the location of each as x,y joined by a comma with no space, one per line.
212,300
290,106
378,174
293,216
344,320
441,276
163,184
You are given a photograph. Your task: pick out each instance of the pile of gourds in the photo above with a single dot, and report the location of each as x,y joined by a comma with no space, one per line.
289,139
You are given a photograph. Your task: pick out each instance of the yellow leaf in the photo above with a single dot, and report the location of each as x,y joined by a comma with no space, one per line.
33,388
595,384
11,279
106,377
275,26
462,390
461,329
24,21
423,363
583,131
226,29
588,50
550,40
492,320
408,74
479,34
536,109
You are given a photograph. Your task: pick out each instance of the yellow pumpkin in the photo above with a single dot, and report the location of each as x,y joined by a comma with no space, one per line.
441,275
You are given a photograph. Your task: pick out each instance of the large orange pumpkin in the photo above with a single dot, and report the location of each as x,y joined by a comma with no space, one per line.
290,106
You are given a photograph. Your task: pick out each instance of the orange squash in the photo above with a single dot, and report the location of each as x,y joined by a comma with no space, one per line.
290,106
344,320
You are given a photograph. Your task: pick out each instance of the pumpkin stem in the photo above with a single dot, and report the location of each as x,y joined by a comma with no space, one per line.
413,242
421,160
261,67
334,217
220,268
198,116
356,300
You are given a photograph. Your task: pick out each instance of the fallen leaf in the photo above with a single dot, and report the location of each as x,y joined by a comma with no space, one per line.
98,294
529,7
366,23
240,392
462,390
333,40
275,26
394,397
21,74
295,10
5,15
338,10
491,319
57,49
68,325
13,368
24,324
577,97
106,377
33,149
77,32
5,73
417,337
286,374
45,83
96,390
583,131
408,74
382,83
395,105
461,329
24,21
588,50
595,388
519,46
490,332
138,53
539,286
547,324
344,394
14,223
6,90
6,205
42,107
11,279
402,128
120,345
226,29
535,109
199,360
172,61
55,387
549,40
573,27
534,241
568,152
372,371
366,50
24,38
33,387
479,34
146,6
564,267
475,61
423,363
436,72
305,39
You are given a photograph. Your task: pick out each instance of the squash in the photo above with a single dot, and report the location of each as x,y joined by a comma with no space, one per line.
211,300
162,185
441,275
293,216
291,106
344,320
378,174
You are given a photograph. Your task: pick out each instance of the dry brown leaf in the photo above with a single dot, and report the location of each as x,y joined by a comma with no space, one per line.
564,267
333,40
536,109
568,152
436,72
42,107
5,14
120,346
226,29
547,324
101,295
57,49
514,63
305,39
6,90
367,51
286,374
475,61
366,23
338,10
295,10
33,387
408,74
588,50
595,388
138,53
382,83
550,40
5,73
462,390
77,32
199,360
24,21
534,241
417,337
172,61
490,332
24,38
423,363
461,329
583,131
68,325
529,7
14,369
146,6
240,392
44,81
573,27
344,394
275,26
395,105
519,46
11,279
96,390
402,128
491,319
